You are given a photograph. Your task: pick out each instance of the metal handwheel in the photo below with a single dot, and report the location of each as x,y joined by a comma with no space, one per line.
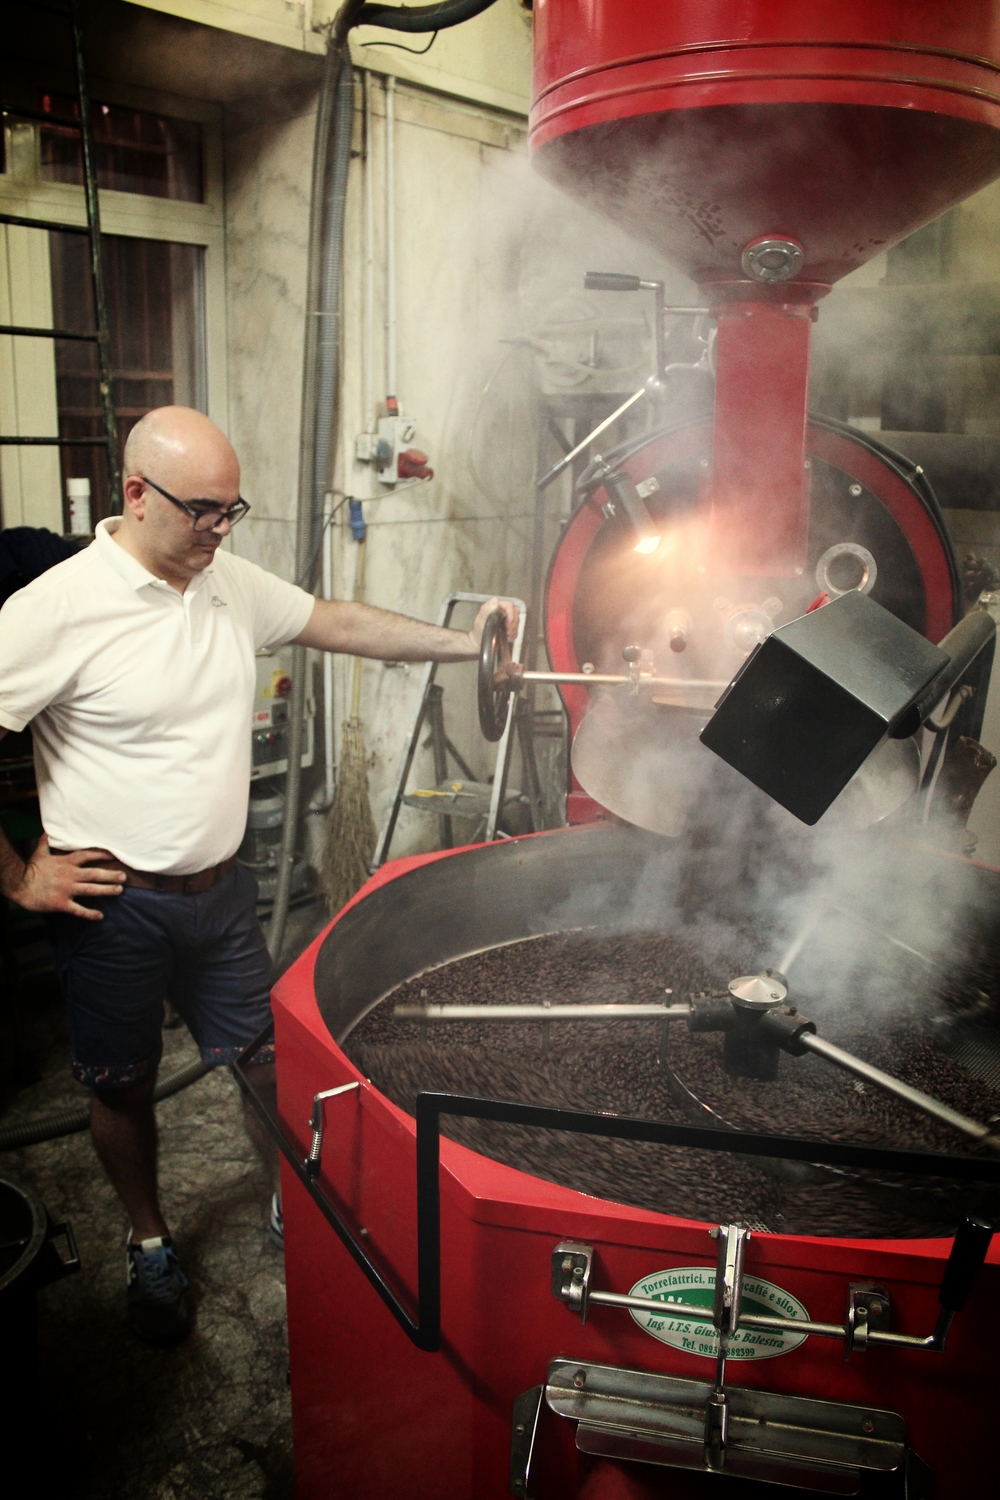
498,676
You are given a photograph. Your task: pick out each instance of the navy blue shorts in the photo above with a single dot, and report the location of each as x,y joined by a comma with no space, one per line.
205,954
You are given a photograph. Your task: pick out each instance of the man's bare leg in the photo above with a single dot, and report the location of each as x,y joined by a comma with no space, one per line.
258,1131
123,1129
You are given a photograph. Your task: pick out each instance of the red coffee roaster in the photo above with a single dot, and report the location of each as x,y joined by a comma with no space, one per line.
460,1330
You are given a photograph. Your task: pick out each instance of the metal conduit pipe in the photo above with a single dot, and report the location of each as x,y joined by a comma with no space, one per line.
17,1133
320,391
321,359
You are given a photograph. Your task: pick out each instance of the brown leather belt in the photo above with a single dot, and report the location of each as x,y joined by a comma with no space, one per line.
175,885
178,885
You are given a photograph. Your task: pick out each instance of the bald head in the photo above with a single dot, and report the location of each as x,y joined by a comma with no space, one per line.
175,454
184,452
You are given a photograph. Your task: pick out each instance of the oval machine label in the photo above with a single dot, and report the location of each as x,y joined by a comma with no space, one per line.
695,1285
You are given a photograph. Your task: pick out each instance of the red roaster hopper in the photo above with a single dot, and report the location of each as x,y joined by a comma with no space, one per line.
437,1344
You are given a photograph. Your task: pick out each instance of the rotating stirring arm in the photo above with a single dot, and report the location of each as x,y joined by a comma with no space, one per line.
500,678
758,1025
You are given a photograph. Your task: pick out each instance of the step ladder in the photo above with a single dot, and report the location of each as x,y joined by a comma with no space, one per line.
451,797
100,336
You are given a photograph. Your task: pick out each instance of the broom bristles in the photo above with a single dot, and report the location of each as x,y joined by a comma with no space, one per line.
350,827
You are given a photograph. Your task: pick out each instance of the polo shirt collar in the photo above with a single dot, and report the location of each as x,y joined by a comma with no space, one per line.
124,564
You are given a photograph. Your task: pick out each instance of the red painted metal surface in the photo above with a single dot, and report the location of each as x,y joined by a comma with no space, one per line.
900,501
703,127
760,439
698,127
706,124
853,458
375,1419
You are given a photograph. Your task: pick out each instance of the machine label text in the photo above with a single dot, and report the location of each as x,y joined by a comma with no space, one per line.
695,1286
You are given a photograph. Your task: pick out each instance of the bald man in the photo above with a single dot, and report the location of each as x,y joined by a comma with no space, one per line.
134,664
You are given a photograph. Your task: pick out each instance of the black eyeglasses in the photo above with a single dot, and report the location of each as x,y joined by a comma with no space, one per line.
205,514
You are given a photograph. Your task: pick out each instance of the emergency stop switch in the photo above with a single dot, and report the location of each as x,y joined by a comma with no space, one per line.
412,464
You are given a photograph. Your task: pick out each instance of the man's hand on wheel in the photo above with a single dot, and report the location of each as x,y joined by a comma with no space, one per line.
55,882
511,614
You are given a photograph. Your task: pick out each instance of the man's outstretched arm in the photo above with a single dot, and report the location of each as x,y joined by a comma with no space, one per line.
363,630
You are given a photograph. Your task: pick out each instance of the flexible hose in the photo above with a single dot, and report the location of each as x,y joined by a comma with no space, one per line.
18,1133
422,17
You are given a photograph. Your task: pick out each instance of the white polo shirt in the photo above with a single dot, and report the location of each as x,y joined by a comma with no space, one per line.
140,700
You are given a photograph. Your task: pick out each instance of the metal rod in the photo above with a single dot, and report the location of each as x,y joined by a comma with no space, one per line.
97,265
368,401
542,1012
53,442
651,1304
971,636
573,453
55,225
754,1320
959,697
13,113
617,679
390,236
329,778
659,331
502,764
916,1097
15,330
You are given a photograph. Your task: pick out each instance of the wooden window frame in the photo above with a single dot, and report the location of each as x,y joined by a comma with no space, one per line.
31,476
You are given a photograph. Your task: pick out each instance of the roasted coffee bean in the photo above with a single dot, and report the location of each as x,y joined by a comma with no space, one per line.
619,1066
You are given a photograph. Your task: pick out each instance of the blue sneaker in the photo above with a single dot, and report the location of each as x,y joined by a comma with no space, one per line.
156,1300
276,1223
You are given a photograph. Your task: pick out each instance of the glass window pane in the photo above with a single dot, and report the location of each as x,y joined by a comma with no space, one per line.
136,152
156,320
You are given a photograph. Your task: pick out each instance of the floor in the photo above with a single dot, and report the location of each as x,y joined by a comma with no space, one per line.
124,1421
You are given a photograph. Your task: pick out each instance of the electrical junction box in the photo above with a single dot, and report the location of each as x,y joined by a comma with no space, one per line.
269,721
383,448
813,701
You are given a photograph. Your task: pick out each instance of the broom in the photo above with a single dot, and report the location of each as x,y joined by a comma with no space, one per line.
350,827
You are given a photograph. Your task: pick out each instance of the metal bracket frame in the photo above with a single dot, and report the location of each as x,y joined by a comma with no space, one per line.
776,1438
524,1431
866,1321
424,1329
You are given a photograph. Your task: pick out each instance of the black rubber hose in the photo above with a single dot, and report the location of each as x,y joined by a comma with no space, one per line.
422,17
17,1133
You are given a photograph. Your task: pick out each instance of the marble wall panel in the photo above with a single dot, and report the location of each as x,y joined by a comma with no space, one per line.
268,173
486,252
